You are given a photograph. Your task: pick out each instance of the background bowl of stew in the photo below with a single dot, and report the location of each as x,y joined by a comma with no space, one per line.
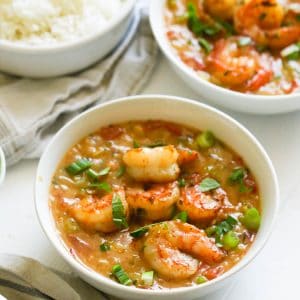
168,108
248,103
2,166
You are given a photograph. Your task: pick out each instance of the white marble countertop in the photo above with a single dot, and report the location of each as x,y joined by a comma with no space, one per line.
272,275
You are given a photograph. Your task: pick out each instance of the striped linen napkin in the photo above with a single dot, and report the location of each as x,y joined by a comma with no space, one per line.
31,111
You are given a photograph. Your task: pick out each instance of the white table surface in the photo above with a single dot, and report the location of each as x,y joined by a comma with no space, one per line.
274,274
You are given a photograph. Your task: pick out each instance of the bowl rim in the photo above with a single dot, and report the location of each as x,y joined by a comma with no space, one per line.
156,13
2,166
81,268
65,45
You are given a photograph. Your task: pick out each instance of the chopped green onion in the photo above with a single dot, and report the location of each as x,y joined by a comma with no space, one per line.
291,52
101,186
92,174
221,228
104,171
181,182
78,166
208,184
244,41
251,219
121,275
230,240
136,144
207,46
237,175
139,232
182,216
104,247
228,27
121,171
118,212
201,279
210,230
148,278
231,220
205,139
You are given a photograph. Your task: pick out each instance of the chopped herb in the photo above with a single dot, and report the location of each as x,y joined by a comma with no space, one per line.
78,166
92,174
136,144
121,171
291,52
104,171
244,41
182,216
181,182
223,227
205,45
237,175
205,139
208,184
228,27
121,275
148,278
118,212
139,232
210,230
101,186
104,247
201,279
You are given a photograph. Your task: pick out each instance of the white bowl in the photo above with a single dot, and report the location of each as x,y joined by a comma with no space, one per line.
66,57
2,166
257,104
168,108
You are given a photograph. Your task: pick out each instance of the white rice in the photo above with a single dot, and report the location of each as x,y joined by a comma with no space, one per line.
38,22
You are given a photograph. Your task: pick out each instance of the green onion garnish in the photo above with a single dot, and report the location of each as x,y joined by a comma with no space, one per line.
205,139
244,41
139,232
104,247
181,182
201,279
237,175
291,52
156,144
230,240
251,219
104,172
118,212
136,144
208,184
78,166
121,171
92,174
207,46
148,278
121,275
182,216
101,186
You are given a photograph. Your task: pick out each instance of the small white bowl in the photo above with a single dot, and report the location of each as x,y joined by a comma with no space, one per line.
65,57
2,166
256,104
167,108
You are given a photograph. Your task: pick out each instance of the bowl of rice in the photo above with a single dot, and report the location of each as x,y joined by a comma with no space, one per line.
47,38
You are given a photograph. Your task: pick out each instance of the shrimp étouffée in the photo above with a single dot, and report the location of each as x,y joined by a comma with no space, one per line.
173,249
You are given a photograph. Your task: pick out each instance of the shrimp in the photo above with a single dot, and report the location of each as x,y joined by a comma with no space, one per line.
198,205
95,213
173,248
222,9
263,21
232,65
152,164
156,203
